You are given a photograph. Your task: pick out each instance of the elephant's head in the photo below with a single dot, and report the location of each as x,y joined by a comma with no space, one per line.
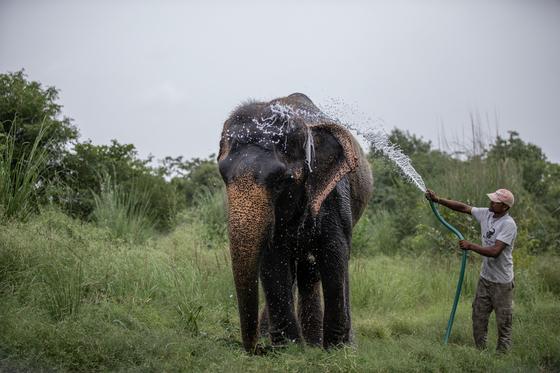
283,150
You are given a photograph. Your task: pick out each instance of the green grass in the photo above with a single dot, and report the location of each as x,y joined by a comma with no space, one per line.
123,211
75,298
20,176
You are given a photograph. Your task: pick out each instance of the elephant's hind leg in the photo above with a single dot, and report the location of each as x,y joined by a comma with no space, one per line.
310,312
337,320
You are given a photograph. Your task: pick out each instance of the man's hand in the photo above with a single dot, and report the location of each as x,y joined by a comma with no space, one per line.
431,196
465,245
489,251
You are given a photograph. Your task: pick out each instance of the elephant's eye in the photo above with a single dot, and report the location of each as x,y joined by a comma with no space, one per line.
282,180
291,176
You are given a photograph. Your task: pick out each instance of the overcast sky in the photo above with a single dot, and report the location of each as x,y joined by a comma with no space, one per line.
164,75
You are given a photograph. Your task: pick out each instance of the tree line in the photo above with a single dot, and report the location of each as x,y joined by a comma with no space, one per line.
44,164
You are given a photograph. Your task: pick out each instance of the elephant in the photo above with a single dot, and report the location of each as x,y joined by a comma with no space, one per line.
296,183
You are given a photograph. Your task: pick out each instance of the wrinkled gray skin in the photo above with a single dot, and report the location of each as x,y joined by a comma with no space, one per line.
296,186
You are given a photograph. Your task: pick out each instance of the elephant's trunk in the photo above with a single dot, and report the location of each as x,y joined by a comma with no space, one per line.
250,218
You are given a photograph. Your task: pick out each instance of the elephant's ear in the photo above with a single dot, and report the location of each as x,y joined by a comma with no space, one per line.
224,142
336,154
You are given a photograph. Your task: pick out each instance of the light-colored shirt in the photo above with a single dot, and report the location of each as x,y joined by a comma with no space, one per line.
500,268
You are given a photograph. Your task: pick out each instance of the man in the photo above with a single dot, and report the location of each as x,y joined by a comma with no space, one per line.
495,286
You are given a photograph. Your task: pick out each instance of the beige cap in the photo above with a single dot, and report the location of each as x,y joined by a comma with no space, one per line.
502,195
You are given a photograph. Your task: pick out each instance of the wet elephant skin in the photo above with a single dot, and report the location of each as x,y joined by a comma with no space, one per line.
297,183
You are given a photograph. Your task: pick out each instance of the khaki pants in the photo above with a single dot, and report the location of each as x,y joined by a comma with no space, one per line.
498,297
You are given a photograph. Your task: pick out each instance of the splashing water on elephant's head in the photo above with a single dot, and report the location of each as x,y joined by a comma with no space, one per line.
371,131
282,119
272,127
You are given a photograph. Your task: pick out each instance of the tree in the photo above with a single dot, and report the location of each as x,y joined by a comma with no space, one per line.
33,140
529,156
86,165
26,107
192,177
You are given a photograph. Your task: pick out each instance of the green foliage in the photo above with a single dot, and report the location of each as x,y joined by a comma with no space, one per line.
84,165
123,211
63,285
96,294
402,201
374,234
541,180
547,269
169,305
34,142
411,222
189,316
409,143
192,177
208,216
20,175
529,156
35,112
87,162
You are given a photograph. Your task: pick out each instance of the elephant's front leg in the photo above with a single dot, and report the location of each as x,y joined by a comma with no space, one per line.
337,326
277,281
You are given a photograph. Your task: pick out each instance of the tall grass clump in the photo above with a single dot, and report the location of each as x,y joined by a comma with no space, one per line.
124,211
470,181
209,215
63,286
20,177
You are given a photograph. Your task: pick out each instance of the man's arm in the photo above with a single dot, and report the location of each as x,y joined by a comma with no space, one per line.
489,251
449,203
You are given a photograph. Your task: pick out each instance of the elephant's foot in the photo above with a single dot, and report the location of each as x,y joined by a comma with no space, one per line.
264,323
337,338
310,314
312,331
285,336
262,350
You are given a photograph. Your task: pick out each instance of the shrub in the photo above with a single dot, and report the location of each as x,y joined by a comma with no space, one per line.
125,212
86,162
375,234
209,216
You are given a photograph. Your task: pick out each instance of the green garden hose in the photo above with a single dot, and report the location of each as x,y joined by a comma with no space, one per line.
461,275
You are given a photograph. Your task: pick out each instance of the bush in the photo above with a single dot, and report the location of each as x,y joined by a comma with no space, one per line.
192,177
375,234
87,163
125,212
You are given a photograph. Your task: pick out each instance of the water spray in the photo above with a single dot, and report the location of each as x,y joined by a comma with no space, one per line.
380,141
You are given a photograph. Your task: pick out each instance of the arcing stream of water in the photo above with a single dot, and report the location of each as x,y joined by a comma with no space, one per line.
376,136
336,111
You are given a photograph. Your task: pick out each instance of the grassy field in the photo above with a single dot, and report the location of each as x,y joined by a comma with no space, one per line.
75,298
